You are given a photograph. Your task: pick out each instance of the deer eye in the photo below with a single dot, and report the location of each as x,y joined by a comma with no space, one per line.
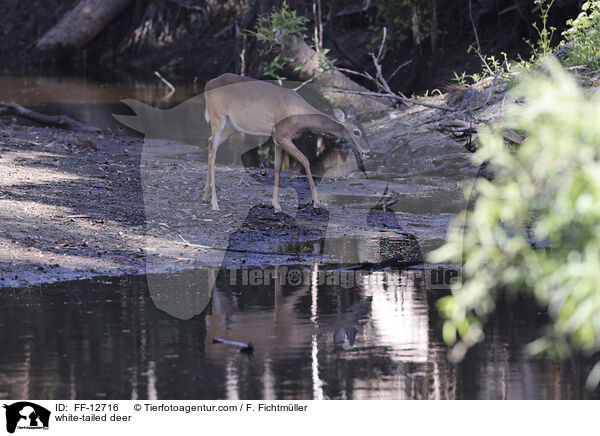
356,133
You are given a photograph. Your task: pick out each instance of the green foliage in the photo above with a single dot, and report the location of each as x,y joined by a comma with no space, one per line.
276,31
275,66
584,32
460,79
586,51
543,46
325,62
586,21
490,67
279,26
549,188
267,154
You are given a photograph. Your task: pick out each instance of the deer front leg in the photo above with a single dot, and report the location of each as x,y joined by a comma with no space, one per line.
287,144
278,156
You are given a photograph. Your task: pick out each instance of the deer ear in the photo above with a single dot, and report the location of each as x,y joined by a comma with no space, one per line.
351,113
339,114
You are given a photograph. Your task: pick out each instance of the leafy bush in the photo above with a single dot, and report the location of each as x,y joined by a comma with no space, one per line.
276,30
584,32
547,189
278,26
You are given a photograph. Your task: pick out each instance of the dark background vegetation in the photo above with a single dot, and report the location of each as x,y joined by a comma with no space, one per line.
185,39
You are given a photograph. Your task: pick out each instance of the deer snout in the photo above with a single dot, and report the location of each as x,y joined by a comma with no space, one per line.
363,148
366,149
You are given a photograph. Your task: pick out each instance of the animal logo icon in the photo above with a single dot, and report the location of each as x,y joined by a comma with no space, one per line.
26,415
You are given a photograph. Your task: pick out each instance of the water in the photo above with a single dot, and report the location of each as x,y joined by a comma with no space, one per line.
379,339
88,99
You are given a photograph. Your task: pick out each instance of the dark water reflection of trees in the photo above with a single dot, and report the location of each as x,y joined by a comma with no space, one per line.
107,340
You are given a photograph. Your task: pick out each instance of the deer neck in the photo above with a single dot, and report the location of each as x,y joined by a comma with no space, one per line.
297,124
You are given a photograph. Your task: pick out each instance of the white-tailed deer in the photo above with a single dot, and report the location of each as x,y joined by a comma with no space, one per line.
237,103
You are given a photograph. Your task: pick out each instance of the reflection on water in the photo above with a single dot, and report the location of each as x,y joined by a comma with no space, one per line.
375,339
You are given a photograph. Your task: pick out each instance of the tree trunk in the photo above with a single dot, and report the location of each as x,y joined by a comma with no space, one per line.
305,62
80,25
434,26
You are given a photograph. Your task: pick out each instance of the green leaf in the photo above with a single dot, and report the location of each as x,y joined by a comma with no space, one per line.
449,333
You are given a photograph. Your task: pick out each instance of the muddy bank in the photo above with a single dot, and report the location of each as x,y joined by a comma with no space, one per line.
70,205
80,205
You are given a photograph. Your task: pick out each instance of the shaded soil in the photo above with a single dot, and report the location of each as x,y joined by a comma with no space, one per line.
70,205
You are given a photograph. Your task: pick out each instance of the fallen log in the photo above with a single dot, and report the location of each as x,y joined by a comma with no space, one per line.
305,62
391,97
80,25
61,121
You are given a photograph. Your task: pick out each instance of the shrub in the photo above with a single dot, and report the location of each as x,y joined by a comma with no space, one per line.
275,31
584,32
547,189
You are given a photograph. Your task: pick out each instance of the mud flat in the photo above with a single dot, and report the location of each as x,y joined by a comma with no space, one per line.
75,205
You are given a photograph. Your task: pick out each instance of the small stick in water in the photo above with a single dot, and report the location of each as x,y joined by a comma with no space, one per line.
245,347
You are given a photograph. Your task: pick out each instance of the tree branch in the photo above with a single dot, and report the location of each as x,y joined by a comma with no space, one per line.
62,121
474,27
392,97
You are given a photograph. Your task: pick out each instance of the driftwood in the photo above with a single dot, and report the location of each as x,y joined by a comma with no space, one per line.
305,62
61,121
394,97
244,347
466,133
167,84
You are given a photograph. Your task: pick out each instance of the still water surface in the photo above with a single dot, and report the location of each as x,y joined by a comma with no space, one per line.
89,100
379,339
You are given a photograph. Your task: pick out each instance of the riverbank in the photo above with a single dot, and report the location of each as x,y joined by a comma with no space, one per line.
77,205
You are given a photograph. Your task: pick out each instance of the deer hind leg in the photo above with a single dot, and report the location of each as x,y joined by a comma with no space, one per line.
208,170
287,145
278,156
